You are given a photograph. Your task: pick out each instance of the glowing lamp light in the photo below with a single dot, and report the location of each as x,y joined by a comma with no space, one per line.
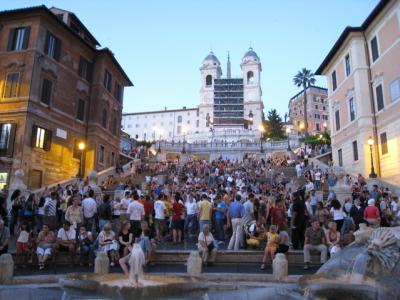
81,146
370,141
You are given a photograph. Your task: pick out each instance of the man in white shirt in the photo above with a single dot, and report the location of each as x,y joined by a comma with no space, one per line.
124,204
136,214
66,240
317,177
159,210
191,215
89,207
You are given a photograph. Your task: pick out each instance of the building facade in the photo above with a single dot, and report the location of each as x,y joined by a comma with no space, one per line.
230,108
317,110
57,90
363,75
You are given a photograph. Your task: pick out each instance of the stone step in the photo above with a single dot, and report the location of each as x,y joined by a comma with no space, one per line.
295,257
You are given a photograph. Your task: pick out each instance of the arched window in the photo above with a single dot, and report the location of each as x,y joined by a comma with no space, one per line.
250,77
208,80
104,118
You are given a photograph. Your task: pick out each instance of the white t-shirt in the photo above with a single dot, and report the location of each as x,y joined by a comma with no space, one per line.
89,206
125,203
209,238
66,235
135,211
23,237
159,209
116,208
338,214
191,207
318,175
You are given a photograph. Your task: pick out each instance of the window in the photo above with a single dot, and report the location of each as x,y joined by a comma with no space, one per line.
114,126
112,162
208,80
118,92
352,109
18,39
337,120
317,126
11,85
85,69
250,77
323,107
316,106
7,135
52,46
395,89
334,83
379,97
197,123
355,151
107,80
47,86
104,118
340,158
179,119
41,138
374,49
80,115
384,145
101,154
347,63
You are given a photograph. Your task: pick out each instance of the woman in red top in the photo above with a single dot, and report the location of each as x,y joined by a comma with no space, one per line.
372,214
278,213
178,216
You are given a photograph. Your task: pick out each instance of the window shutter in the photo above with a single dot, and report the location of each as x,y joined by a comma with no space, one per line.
46,44
89,72
47,140
11,39
33,138
10,149
26,37
57,52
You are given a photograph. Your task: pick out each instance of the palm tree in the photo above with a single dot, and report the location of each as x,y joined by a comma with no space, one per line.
304,78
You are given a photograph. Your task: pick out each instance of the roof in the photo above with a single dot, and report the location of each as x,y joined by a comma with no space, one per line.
43,8
159,111
211,57
371,17
116,63
250,53
311,86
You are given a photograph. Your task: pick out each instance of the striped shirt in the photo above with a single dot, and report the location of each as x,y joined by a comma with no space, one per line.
50,207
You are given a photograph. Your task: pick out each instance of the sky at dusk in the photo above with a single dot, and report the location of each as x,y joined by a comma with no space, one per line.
161,44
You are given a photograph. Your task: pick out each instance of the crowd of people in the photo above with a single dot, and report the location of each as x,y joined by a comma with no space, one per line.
240,204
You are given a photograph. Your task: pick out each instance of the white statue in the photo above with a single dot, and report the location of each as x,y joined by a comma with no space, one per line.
136,262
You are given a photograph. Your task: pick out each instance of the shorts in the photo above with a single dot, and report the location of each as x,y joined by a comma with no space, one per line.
22,247
160,224
43,251
178,224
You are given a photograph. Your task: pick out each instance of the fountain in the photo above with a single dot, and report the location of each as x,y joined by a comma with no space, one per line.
367,269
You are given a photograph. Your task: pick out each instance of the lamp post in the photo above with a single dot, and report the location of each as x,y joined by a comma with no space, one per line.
325,126
302,126
288,141
370,143
261,129
184,139
81,147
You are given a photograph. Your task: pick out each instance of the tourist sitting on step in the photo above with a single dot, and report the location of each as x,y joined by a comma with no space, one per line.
206,245
108,243
272,245
86,246
24,244
314,241
44,244
66,240
254,231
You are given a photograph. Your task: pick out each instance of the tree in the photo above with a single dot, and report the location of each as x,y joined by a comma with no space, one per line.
304,78
274,126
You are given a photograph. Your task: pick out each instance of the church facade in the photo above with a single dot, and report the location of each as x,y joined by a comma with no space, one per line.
231,109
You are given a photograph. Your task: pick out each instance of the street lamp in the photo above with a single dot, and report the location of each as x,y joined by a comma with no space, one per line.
302,126
288,142
370,143
81,148
261,129
184,130
325,126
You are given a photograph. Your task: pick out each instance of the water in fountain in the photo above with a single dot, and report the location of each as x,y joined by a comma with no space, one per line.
359,267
